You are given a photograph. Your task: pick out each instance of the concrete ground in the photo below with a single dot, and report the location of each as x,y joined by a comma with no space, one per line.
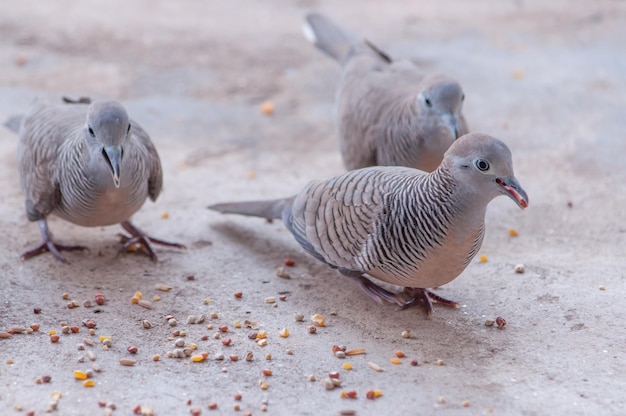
549,78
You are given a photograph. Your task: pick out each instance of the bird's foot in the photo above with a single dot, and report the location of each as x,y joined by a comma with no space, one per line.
141,239
376,292
52,247
415,294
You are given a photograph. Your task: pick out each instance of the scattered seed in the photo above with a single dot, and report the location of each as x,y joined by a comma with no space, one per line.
74,329
92,331
99,298
356,351
263,385
318,320
156,298
289,351
88,341
601,287
465,403
395,360
237,324
199,357
200,318
340,354
145,304
261,334
223,328
333,374
219,356
172,322
399,354
346,366
520,268
187,351
233,357
261,342
406,334
217,335
107,342
282,273
483,258
146,324
347,412
283,333
226,341
54,338
374,366
282,298
236,408
414,363
289,262
441,400
162,287
89,383
311,377
214,315
132,349
513,232
179,342
270,299
89,323
212,406
65,296
127,362
439,362
91,355
489,322
80,375
156,357
191,319
311,329
5,335
249,356
36,310
238,295
65,329
500,322
87,303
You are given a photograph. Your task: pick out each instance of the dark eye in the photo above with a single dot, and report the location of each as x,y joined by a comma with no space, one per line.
482,165
128,129
428,102
92,132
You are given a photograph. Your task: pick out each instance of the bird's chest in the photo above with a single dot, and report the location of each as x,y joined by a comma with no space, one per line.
92,203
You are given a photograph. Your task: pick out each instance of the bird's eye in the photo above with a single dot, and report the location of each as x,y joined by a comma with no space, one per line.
482,165
92,132
128,129
428,102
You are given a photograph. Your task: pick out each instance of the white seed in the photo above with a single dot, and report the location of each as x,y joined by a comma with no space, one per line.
80,346
127,362
87,303
91,355
162,287
406,334
172,322
107,342
270,299
340,354
169,354
145,304
146,324
312,377
520,268
489,322
200,318
191,319
298,317
89,373
281,272
95,367
179,342
374,366
219,356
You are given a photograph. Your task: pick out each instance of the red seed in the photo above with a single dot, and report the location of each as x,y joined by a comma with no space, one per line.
289,262
500,322
212,405
370,394
237,396
36,311
46,379
99,298
132,349
205,338
414,363
74,329
89,323
238,294
224,328
195,411
102,404
54,338
137,410
351,394
333,374
226,341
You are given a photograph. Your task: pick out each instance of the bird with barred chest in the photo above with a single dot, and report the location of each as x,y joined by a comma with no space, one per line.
399,225
88,164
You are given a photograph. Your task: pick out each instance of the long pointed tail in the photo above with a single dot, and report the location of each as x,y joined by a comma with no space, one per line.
265,209
328,37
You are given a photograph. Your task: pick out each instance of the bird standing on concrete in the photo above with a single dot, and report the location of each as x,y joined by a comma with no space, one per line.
388,112
89,165
399,225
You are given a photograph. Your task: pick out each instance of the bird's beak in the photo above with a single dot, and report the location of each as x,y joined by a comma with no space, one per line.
113,156
513,189
450,120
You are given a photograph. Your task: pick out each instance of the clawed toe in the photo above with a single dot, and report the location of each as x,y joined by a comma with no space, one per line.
416,294
141,239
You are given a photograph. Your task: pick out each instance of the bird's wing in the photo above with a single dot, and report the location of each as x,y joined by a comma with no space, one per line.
147,151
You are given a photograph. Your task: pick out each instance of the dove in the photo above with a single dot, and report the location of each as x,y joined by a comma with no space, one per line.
396,224
89,164
388,113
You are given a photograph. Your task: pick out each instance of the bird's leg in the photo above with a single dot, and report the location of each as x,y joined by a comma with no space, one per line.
426,295
139,237
47,244
376,292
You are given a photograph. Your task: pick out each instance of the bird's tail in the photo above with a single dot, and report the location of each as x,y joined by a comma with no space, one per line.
265,209
13,123
328,37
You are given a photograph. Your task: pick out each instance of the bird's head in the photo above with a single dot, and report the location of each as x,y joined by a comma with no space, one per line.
482,166
442,96
107,127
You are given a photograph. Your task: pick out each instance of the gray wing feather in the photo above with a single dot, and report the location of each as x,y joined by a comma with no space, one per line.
152,162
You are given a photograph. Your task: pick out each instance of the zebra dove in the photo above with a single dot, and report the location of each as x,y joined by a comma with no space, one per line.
388,113
396,224
89,165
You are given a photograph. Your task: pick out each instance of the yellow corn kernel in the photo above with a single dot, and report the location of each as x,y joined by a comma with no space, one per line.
103,337
264,385
89,383
80,375
134,300
52,332
483,258
513,232
318,320
347,366
284,333
196,358
395,360
378,393
262,334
